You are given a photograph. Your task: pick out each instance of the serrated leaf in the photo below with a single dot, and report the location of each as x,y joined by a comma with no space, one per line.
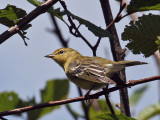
149,112
54,90
12,12
113,117
97,31
142,35
143,5
158,42
136,96
11,15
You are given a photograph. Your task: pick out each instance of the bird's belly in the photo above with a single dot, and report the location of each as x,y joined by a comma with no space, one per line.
85,84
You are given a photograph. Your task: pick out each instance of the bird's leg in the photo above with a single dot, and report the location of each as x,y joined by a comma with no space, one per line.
87,94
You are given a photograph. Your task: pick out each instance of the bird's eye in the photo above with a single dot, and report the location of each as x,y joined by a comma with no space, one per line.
61,52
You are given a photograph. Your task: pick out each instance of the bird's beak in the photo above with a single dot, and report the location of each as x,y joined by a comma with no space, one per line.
49,56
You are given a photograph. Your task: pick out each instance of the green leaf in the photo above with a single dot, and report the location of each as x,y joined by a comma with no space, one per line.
8,101
143,5
142,35
158,42
100,108
136,96
113,117
7,22
35,2
54,90
149,112
97,31
11,15
55,12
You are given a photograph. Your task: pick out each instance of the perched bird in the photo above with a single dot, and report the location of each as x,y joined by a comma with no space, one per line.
89,72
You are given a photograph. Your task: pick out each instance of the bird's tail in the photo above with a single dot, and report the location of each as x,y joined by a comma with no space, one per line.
131,63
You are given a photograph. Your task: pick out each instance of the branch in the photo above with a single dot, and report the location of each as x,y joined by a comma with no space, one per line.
94,49
82,98
73,26
157,59
27,19
77,33
118,16
117,52
1,118
117,19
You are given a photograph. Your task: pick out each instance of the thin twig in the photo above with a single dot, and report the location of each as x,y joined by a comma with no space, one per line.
108,101
84,106
94,48
118,17
82,98
58,32
77,33
134,15
73,26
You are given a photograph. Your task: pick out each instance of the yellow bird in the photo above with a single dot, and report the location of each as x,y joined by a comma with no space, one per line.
89,72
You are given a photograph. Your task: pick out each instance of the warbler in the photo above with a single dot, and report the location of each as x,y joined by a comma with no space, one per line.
89,72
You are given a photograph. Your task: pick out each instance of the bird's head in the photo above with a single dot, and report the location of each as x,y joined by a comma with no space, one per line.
63,54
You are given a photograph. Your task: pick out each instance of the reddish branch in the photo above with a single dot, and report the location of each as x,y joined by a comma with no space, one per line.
82,98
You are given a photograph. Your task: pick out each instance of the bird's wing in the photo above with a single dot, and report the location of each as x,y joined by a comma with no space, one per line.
90,71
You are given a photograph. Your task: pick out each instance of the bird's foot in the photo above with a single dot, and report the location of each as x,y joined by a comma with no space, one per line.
87,96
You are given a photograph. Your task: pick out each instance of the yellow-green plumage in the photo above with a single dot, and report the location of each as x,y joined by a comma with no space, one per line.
87,72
